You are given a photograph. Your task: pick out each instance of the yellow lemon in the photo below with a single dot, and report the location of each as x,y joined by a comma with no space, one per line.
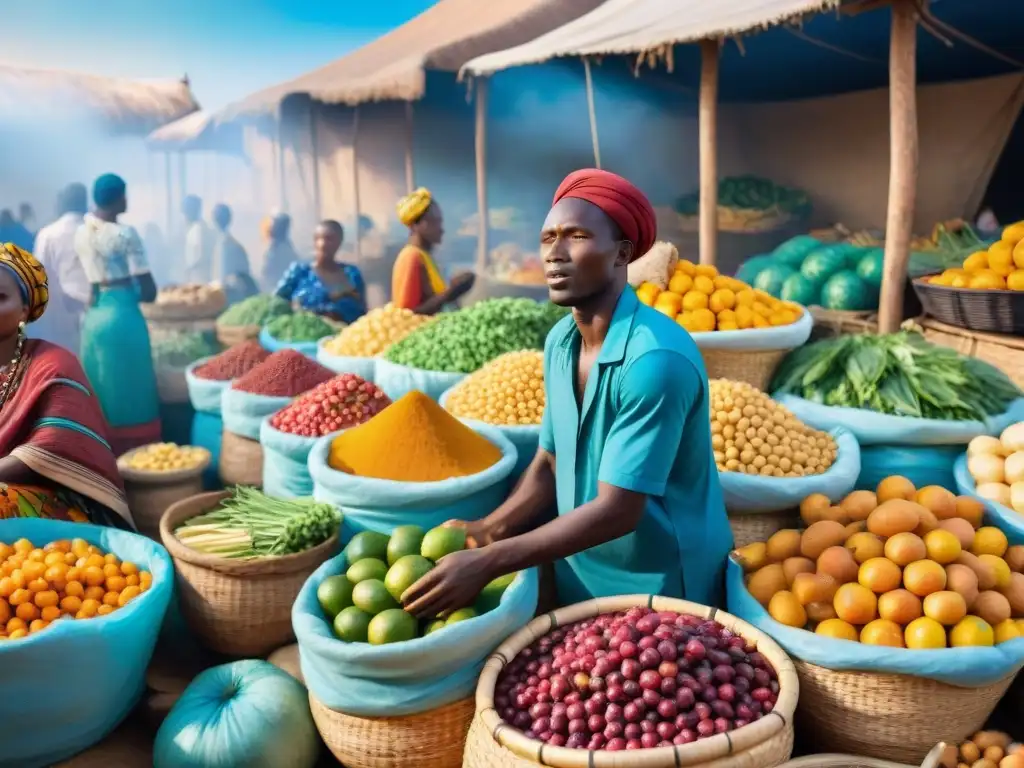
971,631
647,293
726,316
1000,258
838,629
685,319
976,262
987,279
998,567
1015,280
1014,233
668,303
695,300
744,316
722,299
942,279
1005,630
989,540
1018,255
924,633
703,320
704,284
745,298
763,309
686,267
960,281
680,283
761,322
706,270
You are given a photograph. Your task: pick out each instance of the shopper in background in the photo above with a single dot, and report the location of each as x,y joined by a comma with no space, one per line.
13,231
70,292
416,282
280,253
198,243
326,287
229,257
55,457
116,352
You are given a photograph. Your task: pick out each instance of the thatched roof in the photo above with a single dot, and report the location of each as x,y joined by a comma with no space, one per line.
197,131
638,26
131,106
392,67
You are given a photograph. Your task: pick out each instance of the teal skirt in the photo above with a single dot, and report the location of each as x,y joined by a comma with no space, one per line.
117,358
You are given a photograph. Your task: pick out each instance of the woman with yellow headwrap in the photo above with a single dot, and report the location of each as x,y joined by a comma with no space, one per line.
56,457
416,282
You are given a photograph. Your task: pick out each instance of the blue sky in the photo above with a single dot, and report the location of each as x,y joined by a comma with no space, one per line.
228,49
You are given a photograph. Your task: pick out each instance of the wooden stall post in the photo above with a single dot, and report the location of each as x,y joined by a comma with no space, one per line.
899,224
708,128
355,179
480,146
314,152
592,112
410,183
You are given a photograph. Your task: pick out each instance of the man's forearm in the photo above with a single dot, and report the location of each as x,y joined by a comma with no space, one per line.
532,497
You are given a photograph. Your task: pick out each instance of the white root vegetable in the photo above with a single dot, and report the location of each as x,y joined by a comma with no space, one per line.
986,468
997,492
1013,467
1013,438
984,444
1017,497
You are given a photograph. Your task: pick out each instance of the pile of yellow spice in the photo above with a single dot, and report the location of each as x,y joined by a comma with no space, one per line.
508,391
375,331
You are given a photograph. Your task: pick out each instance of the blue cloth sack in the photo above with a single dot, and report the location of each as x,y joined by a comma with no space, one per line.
398,380
286,462
207,431
69,686
526,439
1004,518
269,343
371,504
243,412
964,667
778,337
922,450
754,493
363,367
403,678
204,394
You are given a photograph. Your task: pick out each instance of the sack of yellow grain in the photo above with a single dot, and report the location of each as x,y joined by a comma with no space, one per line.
655,266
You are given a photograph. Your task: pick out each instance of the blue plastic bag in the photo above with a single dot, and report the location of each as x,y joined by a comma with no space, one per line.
269,343
753,493
1004,518
380,505
526,439
922,450
207,431
286,462
67,687
964,667
204,394
778,337
398,380
363,367
243,412
402,678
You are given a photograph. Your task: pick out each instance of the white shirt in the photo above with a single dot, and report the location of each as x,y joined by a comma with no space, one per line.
198,254
55,249
109,252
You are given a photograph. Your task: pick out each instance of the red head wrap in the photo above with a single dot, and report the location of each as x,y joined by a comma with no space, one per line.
624,204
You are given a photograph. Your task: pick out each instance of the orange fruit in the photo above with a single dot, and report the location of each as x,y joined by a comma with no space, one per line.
667,303
943,546
686,267
704,284
865,546
971,631
945,607
895,487
976,262
1015,280
880,575
722,299
960,528
882,632
904,548
695,300
922,577
855,603
999,569
786,609
702,320
838,629
680,283
989,540
900,606
924,633
1005,631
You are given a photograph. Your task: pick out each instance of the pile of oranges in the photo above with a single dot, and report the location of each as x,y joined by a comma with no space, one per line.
64,579
897,566
700,299
1000,268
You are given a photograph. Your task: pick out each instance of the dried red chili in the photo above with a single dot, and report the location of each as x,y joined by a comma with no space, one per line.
233,362
343,402
283,374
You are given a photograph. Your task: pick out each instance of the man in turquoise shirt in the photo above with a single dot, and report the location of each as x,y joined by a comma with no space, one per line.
625,449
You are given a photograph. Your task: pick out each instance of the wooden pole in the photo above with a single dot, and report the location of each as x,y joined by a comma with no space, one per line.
314,152
592,112
708,128
480,146
355,178
410,183
899,223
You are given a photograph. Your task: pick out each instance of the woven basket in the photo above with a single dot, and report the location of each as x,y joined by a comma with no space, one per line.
216,302
433,739
753,366
230,335
241,460
890,717
150,494
933,760
829,323
977,310
759,526
237,607
171,385
765,743
1003,352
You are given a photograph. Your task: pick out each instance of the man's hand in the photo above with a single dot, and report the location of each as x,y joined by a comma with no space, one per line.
454,583
463,279
478,533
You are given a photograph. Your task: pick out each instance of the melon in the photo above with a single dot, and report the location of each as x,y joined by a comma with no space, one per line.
870,267
845,291
750,268
793,251
771,278
820,265
799,289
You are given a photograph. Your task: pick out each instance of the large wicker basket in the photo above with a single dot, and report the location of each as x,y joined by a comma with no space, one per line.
890,717
230,335
432,739
759,526
933,760
237,607
768,742
992,311
753,366
150,494
241,460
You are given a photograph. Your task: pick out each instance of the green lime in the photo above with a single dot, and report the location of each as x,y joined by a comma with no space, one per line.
371,568
406,572
372,596
367,544
405,540
433,626
442,541
463,614
352,625
490,595
334,595
392,626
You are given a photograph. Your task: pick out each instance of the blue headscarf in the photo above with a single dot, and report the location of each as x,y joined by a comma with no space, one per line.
108,189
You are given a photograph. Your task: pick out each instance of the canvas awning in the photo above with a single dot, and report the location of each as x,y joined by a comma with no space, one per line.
393,67
633,26
130,106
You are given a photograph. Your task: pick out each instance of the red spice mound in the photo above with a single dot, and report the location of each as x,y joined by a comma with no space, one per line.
283,374
232,363
342,402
